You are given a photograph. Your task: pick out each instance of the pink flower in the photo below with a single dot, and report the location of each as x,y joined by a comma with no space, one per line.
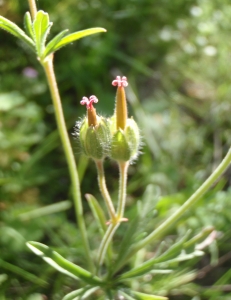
89,102
120,82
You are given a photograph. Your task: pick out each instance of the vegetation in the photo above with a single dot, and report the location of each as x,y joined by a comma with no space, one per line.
175,55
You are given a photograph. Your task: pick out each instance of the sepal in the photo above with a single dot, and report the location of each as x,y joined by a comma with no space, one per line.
125,143
95,140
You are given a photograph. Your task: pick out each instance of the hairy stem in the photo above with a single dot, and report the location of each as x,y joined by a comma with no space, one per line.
123,168
33,8
187,205
104,191
49,70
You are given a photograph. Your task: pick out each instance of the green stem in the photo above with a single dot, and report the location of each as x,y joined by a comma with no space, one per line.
188,204
104,191
33,8
123,168
49,70
106,241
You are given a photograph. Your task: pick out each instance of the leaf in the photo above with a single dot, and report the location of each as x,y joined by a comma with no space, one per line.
142,296
12,28
97,212
132,295
51,45
149,200
127,240
182,257
46,210
77,35
101,220
126,296
41,27
23,273
83,292
148,265
136,227
28,25
74,294
63,265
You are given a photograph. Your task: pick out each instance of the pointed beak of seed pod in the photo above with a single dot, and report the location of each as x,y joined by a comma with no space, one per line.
121,103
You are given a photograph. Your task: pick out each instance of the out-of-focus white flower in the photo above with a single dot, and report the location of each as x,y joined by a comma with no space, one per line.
210,50
189,48
201,40
165,34
196,11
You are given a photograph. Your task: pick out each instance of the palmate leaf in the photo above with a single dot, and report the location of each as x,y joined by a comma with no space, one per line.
63,265
41,27
38,31
12,28
71,38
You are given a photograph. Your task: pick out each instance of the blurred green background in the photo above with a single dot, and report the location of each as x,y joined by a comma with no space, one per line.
176,56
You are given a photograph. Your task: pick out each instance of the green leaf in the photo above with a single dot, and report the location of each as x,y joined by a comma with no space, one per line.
74,294
46,210
128,239
142,296
174,250
136,227
12,28
182,257
97,212
100,219
28,25
149,200
41,27
77,35
63,265
126,296
83,293
51,45
21,272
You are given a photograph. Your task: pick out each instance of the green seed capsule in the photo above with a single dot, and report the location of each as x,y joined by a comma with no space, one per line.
95,140
125,143
120,149
132,134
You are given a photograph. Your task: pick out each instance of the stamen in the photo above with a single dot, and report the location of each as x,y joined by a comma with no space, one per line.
120,82
89,102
